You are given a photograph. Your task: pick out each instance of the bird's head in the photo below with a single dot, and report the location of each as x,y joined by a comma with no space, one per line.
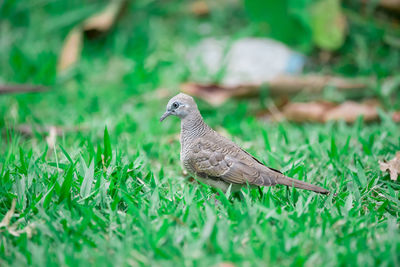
181,106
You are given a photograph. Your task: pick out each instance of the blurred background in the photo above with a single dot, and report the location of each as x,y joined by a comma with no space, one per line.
85,59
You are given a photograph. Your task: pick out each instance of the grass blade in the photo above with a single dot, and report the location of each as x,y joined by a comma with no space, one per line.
87,182
107,146
67,184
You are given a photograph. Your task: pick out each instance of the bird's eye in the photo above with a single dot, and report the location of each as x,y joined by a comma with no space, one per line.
175,105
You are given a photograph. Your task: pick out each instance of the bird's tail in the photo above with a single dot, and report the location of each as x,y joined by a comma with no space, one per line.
284,180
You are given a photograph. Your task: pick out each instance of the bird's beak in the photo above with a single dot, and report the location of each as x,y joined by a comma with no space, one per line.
166,114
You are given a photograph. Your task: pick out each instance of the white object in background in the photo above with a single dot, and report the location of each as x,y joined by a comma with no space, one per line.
249,61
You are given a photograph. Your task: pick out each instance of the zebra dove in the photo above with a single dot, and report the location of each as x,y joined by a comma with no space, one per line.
217,161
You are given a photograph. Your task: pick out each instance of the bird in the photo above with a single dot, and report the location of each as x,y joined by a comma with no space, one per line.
217,161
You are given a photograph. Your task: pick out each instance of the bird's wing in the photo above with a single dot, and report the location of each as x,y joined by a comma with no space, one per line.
219,158
275,170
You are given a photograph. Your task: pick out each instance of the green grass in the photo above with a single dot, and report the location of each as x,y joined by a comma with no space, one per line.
113,193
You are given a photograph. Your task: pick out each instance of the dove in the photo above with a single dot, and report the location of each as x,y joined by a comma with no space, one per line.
217,161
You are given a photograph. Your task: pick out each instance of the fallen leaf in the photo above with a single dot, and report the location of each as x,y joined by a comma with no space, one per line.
349,111
391,4
393,166
28,230
7,218
103,20
215,94
313,83
322,111
71,50
302,112
199,8
12,229
281,85
100,22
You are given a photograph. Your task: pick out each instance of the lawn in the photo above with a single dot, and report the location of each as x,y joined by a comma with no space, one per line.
109,190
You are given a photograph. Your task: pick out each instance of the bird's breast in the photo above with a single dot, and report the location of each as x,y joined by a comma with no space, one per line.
186,161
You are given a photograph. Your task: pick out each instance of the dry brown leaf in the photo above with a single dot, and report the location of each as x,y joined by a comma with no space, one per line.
71,50
199,8
215,94
12,229
103,20
28,230
314,83
321,111
100,22
7,218
393,166
390,4
279,86
349,111
311,111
